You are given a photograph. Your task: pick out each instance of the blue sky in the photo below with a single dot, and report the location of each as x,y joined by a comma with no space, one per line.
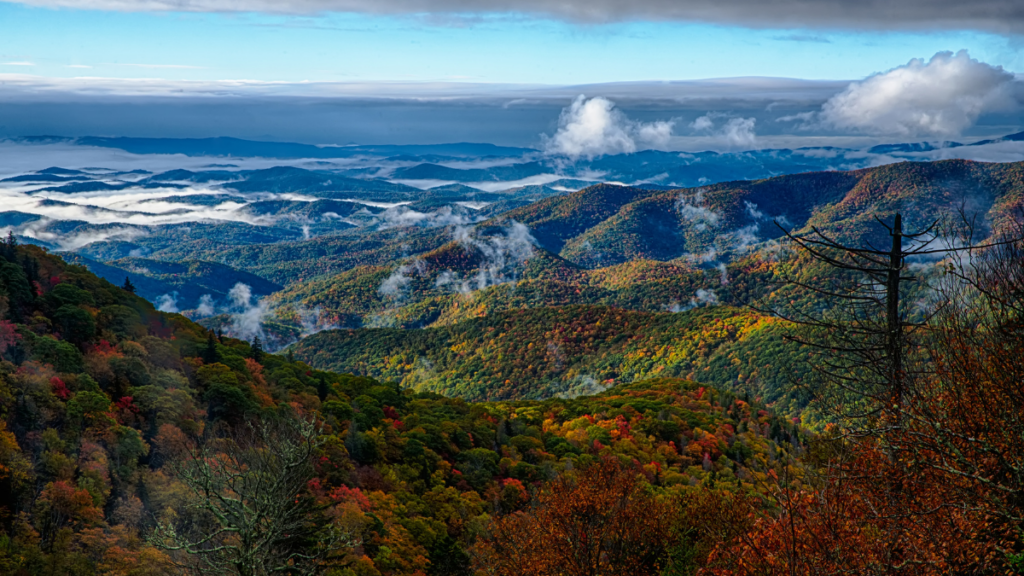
428,71
64,43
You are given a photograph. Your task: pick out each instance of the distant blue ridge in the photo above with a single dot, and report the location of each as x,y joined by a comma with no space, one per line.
235,147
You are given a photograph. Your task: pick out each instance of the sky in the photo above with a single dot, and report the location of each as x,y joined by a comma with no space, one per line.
509,71
330,47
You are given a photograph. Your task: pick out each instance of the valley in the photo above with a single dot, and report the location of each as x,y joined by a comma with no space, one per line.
453,359
532,292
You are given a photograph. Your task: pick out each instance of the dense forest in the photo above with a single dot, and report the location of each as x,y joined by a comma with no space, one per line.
569,350
109,408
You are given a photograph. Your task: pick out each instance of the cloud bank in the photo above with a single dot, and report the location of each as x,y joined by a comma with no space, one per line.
617,117
992,15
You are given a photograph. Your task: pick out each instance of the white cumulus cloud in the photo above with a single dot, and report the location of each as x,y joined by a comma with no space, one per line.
940,97
733,133
168,302
594,127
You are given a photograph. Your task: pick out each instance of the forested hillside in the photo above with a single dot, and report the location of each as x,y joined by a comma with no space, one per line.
573,350
652,257
105,401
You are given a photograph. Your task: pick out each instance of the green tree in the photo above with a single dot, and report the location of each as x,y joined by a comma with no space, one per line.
210,354
257,349
75,324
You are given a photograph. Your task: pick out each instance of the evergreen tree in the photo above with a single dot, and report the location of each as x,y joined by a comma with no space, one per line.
128,286
322,388
291,356
31,267
211,355
257,349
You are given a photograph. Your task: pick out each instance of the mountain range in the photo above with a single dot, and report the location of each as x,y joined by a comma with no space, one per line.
364,272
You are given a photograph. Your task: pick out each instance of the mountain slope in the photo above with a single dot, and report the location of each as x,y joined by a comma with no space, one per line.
103,399
542,352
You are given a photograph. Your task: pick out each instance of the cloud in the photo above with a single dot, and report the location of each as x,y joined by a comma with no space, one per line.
246,318
694,209
394,286
703,124
205,306
803,117
18,64
122,214
753,211
656,134
591,128
240,294
739,132
313,321
991,15
38,230
581,385
756,214
745,238
26,87
701,298
941,97
402,217
803,38
594,127
503,253
453,281
167,302
735,132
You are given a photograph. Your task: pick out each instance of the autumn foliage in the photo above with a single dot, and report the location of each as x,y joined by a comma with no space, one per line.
598,521
933,487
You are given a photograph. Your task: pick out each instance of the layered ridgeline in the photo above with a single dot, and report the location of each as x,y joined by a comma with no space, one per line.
645,249
288,253
99,392
610,284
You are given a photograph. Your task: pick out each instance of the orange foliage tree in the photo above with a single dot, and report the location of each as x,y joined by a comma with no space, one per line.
597,521
936,486
867,513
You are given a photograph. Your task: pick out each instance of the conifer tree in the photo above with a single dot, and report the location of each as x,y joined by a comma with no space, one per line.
257,349
128,286
211,355
322,388
9,245
31,267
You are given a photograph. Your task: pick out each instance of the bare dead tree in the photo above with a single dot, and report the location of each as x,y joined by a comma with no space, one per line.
935,387
865,327
250,515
